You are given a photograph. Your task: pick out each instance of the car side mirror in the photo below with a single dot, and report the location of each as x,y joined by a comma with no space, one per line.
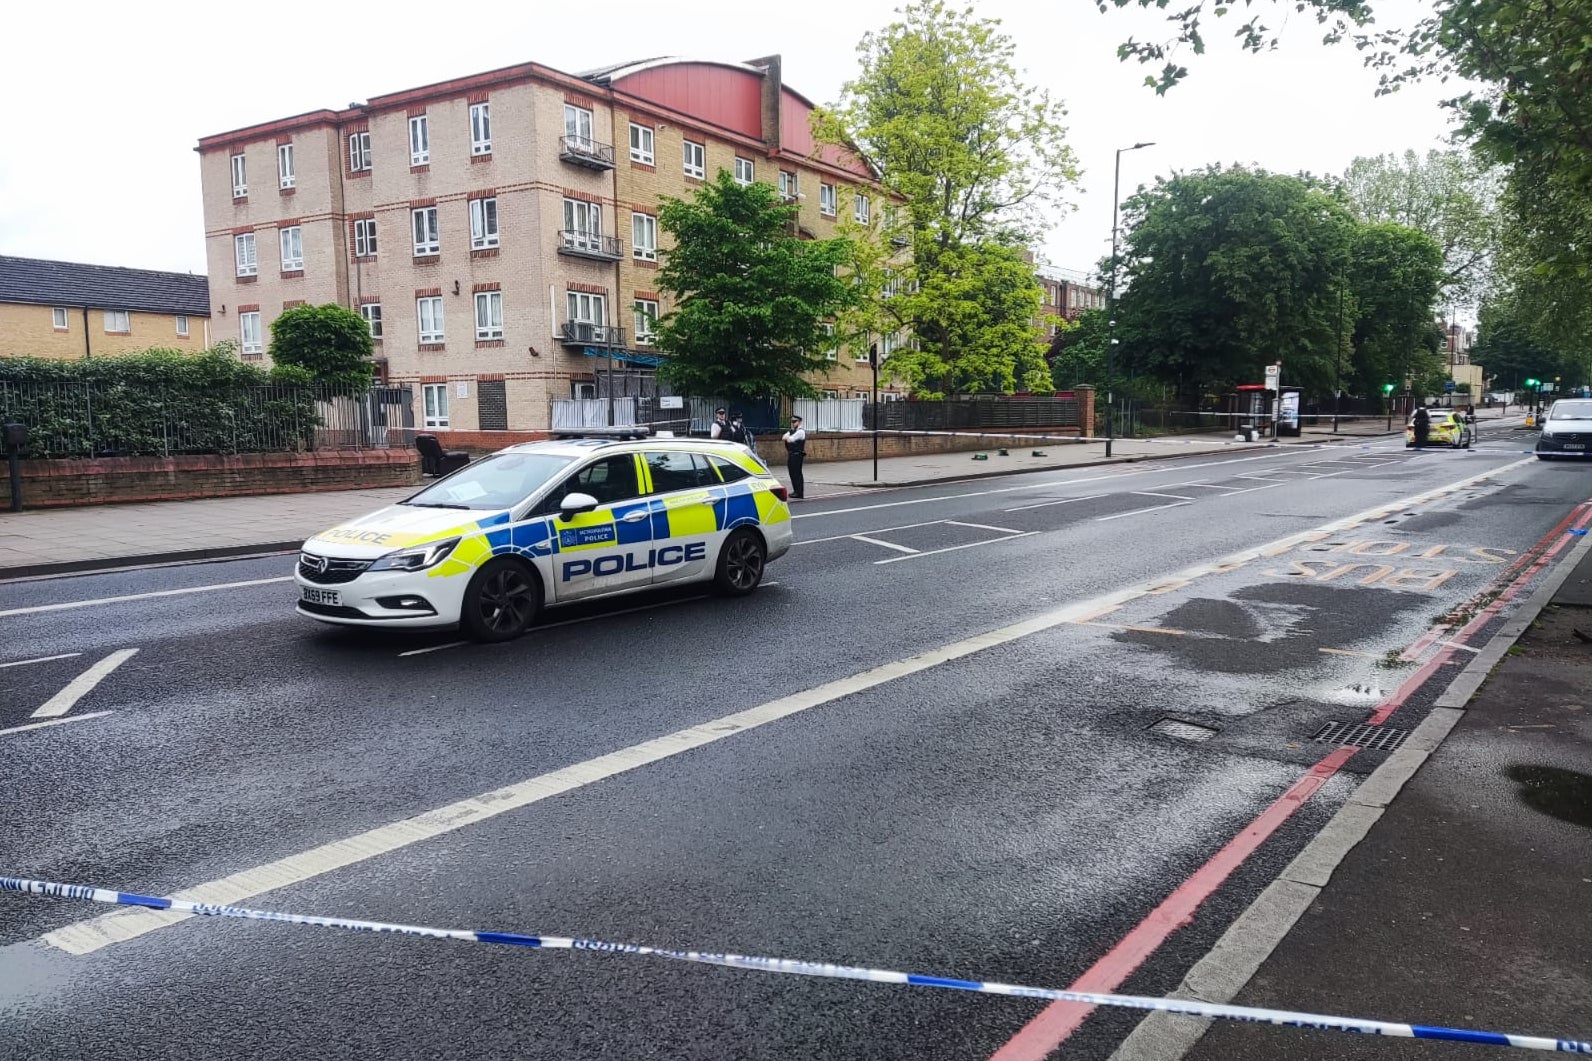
574,504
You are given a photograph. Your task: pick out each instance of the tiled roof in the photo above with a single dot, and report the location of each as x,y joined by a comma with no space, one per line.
46,283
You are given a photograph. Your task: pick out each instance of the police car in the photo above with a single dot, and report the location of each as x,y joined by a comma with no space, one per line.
547,523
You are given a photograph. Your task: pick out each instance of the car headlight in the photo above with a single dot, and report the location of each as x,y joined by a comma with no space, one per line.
417,559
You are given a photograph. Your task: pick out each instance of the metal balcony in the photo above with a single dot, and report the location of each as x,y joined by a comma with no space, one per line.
585,333
583,151
590,245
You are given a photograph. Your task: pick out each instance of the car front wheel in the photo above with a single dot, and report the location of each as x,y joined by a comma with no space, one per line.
501,601
741,563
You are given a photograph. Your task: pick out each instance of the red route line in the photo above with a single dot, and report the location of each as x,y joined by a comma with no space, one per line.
1060,1019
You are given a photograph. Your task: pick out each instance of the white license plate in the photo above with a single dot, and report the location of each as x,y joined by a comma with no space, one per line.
320,596
1574,445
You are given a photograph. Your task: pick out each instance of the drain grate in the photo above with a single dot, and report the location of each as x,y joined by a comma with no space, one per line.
1176,727
1360,735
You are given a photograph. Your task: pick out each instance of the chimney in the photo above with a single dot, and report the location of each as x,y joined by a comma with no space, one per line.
773,92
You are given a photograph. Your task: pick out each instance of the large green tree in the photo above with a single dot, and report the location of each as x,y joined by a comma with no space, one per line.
331,343
750,297
1078,353
1395,275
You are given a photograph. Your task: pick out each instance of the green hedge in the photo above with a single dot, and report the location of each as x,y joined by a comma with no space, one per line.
158,403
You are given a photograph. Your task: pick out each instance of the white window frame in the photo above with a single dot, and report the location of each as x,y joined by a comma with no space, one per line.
790,184
285,175
694,159
434,405
832,350
59,319
577,117
371,311
240,176
643,142
244,254
430,319
182,325
118,317
425,231
745,170
249,333
583,225
365,237
359,152
483,223
488,316
828,200
587,308
644,236
419,140
862,209
292,245
645,314
480,128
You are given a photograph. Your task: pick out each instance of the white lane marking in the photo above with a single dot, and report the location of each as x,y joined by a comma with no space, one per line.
41,659
143,596
1153,493
1142,511
1207,486
433,648
1264,479
83,684
983,526
56,722
87,936
1063,501
887,545
955,548
878,530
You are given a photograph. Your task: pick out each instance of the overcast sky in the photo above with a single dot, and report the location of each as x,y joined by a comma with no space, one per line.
102,103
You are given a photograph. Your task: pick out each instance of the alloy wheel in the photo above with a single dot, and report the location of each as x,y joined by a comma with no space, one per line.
744,563
508,601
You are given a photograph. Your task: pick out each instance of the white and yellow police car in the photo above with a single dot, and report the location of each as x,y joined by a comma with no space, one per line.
546,523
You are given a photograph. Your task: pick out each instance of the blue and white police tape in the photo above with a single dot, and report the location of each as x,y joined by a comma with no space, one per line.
1184,1007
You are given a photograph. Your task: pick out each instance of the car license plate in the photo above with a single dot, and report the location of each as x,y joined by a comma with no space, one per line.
1575,445
320,596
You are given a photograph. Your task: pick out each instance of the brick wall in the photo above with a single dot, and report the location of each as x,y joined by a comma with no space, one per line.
60,483
822,448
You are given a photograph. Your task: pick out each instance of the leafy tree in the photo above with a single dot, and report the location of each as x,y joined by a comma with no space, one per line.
751,298
1395,274
331,342
1078,354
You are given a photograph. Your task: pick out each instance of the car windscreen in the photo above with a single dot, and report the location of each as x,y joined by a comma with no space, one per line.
1571,411
502,480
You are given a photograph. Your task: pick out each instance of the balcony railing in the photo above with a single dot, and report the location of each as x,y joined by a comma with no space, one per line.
590,245
585,333
584,151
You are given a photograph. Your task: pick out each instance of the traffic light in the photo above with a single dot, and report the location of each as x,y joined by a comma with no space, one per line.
1387,388
1533,383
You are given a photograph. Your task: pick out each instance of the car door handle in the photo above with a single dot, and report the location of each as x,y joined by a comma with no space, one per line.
634,517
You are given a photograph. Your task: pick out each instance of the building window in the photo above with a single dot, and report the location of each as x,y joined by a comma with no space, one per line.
429,311
583,225
240,177
243,253
359,152
587,308
890,343
744,170
182,325
488,315
292,249
371,311
284,165
365,237
435,396
579,124
641,137
827,200
646,313
116,322
58,318
249,331
480,128
831,348
428,237
644,237
789,187
864,209
419,141
483,223
696,164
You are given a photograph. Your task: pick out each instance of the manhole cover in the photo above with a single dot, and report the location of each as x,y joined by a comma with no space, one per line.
1360,735
1176,727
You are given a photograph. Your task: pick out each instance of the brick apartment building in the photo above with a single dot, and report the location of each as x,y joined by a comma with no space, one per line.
499,232
1068,292
68,310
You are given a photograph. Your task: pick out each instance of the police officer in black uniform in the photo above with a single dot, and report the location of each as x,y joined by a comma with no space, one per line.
795,454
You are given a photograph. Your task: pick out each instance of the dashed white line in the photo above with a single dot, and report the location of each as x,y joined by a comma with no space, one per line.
37,608
983,526
432,648
83,684
41,659
56,722
1063,501
1154,493
954,548
887,545
1142,511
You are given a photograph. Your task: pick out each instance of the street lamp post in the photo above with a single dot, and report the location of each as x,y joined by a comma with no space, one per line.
1337,371
1111,297
873,361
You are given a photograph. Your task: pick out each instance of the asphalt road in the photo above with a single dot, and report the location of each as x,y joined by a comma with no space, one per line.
954,769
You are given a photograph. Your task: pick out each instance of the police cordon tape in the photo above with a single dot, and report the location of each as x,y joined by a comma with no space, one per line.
1076,440
798,967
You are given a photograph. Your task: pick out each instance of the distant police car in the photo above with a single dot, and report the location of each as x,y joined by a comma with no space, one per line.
546,523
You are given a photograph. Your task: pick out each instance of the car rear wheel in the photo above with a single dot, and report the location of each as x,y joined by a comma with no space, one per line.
741,563
501,601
